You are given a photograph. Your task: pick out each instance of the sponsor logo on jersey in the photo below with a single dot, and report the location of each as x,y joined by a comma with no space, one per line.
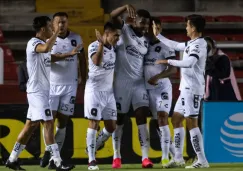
47,62
196,50
148,61
109,65
69,59
132,50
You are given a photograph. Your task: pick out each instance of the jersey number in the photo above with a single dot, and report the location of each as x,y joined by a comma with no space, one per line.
74,43
48,112
158,49
196,101
94,112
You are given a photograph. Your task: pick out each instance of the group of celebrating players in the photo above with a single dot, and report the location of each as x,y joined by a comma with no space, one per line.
130,63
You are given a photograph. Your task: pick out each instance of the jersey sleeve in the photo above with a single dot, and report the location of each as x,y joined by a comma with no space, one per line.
168,53
80,41
172,44
195,51
33,44
92,49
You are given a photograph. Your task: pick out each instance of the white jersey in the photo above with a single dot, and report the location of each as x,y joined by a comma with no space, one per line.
65,72
38,67
130,54
101,77
156,52
193,78
172,44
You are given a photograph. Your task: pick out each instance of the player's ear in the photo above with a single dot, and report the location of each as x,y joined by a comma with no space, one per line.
43,29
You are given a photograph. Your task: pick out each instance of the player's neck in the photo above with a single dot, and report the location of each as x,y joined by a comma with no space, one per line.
195,36
41,36
63,35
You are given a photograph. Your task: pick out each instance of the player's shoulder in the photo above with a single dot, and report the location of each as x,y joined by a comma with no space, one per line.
93,45
199,41
73,35
34,41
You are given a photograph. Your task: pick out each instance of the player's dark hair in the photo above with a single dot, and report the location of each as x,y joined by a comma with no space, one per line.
143,13
109,26
211,41
156,20
40,22
60,14
197,21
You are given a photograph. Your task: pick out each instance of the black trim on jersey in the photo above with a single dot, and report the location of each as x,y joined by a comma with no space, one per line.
154,42
68,32
36,47
108,47
193,116
92,54
171,57
194,55
186,43
196,39
40,39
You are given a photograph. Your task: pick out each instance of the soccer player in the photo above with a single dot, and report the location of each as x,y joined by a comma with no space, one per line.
192,89
99,100
159,89
64,80
38,85
129,85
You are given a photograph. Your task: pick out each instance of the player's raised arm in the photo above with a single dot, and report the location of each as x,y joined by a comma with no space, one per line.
97,53
43,48
116,14
82,66
177,46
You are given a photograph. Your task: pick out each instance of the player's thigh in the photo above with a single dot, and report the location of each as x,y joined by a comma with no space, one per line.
123,95
140,96
39,108
93,105
192,104
110,111
163,98
54,97
152,103
67,101
179,106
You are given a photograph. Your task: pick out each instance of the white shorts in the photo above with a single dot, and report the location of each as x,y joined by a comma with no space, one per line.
100,105
188,104
62,98
128,92
39,108
160,99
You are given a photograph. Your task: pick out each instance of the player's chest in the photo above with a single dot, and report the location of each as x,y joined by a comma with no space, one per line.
109,59
65,45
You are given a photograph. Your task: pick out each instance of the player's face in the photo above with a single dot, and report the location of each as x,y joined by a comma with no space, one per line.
142,25
113,37
48,30
62,21
189,28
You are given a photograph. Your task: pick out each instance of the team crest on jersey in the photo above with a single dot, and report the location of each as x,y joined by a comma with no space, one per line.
72,100
157,49
164,96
